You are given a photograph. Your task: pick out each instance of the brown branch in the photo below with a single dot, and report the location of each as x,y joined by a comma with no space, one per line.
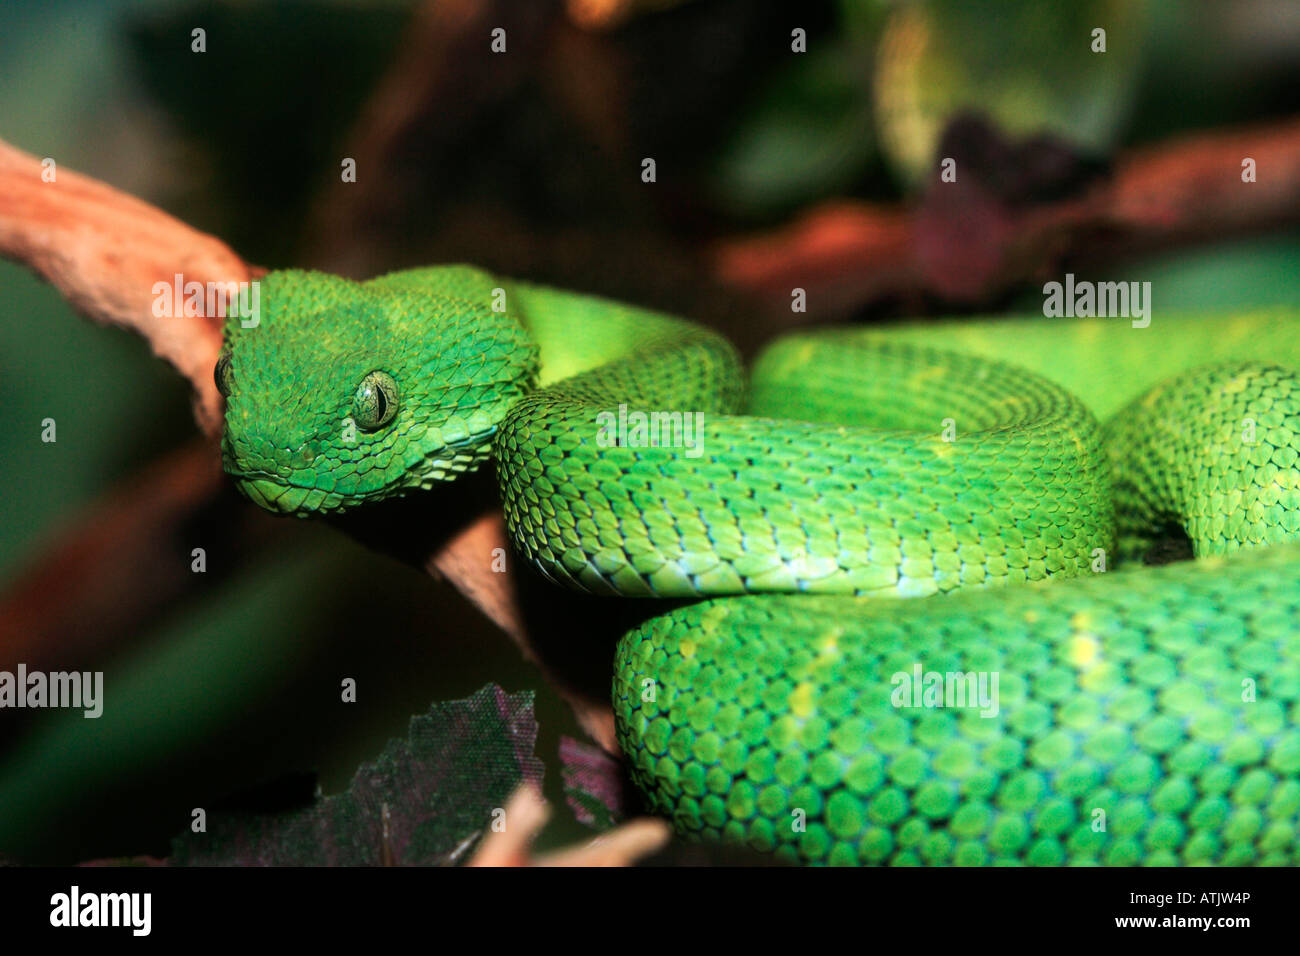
960,244
104,250
842,253
1192,188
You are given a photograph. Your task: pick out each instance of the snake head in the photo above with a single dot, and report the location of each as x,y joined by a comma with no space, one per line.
340,393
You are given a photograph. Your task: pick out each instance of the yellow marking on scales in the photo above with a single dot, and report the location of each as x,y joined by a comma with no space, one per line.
1287,479
1084,649
1089,329
801,700
1239,327
923,376
941,448
1235,385
828,651
1084,652
828,648
1078,441
804,354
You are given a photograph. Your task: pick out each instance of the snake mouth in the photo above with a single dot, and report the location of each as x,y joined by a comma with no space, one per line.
272,493
282,497
279,497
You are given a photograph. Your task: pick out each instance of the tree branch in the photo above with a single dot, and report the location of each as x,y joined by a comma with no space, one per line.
961,243
104,250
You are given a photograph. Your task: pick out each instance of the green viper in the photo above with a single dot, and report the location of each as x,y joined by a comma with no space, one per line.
1121,715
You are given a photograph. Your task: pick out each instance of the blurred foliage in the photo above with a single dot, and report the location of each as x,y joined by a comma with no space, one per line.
862,111
1027,65
810,134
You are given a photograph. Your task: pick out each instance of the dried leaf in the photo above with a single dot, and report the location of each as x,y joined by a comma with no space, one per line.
594,784
421,802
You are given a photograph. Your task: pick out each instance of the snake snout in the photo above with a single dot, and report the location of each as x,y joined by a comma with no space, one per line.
274,496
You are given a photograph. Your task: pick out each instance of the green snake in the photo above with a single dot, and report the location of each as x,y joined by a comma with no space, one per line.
1123,714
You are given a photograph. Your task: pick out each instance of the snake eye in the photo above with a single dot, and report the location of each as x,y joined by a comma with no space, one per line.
375,404
222,374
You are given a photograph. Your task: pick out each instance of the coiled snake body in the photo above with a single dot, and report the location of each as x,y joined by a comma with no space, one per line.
1040,697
